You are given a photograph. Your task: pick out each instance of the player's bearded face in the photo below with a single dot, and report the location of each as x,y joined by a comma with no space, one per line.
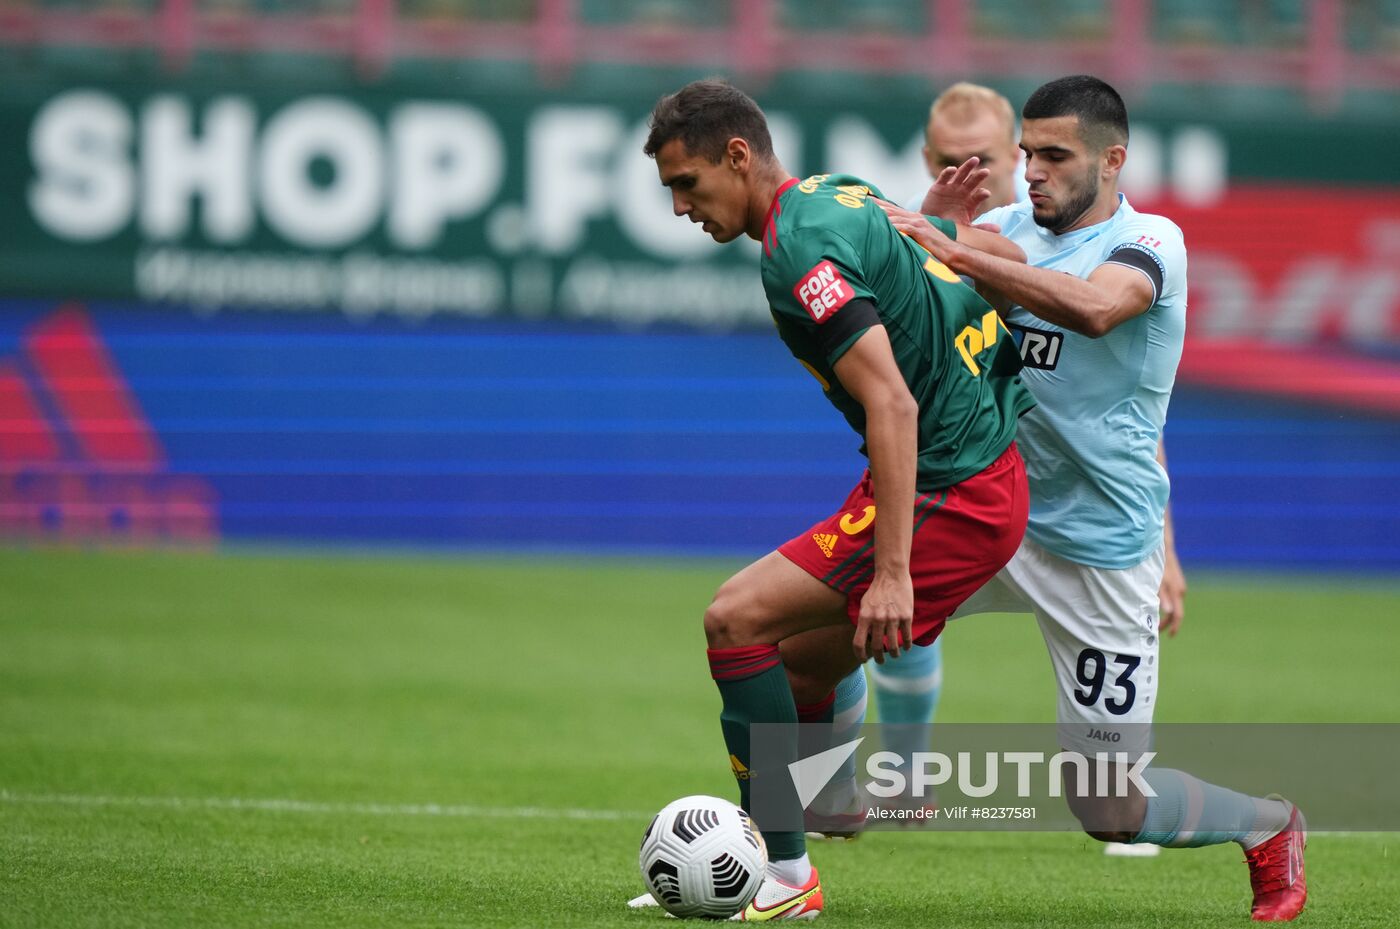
1062,207
1063,171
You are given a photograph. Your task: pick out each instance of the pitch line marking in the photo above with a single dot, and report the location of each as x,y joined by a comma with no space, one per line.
461,811
275,805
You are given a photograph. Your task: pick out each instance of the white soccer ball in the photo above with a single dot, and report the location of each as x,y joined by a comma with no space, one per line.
703,856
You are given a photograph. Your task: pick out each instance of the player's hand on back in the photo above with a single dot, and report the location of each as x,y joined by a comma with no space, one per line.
886,621
918,228
957,192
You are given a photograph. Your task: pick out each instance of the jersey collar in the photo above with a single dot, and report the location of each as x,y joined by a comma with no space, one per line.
770,231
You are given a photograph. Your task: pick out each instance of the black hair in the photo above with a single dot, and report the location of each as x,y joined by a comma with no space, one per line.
1103,119
705,115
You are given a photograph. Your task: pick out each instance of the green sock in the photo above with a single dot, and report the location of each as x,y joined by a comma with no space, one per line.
754,687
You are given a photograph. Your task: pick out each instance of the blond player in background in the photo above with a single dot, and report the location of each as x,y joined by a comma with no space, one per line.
972,121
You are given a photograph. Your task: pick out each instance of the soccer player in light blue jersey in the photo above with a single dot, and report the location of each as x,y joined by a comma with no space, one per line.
965,121
1099,312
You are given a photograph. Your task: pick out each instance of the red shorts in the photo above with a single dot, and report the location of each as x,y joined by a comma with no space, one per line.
963,536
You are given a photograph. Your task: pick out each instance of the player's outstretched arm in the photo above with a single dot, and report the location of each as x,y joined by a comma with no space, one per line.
916,226
993,243
986,240
1092,306
868,372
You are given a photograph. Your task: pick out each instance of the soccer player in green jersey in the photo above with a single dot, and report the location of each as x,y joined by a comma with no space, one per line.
921,368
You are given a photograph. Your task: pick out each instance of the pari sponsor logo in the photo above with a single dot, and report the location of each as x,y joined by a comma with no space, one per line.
79,460
1040,348
976,775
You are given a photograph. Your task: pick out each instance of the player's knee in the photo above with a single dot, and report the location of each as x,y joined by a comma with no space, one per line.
727,623
1106,818
1097,821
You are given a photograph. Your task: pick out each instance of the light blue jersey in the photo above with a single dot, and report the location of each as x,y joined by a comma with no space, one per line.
1098,495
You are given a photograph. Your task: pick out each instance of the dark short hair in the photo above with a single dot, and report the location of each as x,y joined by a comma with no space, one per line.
705,115
1103,119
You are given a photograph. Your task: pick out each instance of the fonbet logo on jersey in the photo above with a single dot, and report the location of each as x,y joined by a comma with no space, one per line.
823,291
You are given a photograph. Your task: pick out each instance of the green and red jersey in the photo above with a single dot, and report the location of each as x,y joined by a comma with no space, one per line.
827,246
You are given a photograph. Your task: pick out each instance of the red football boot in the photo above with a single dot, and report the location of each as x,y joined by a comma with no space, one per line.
1276,871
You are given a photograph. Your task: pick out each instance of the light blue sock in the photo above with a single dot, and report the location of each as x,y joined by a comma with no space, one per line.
847,717
1189,813
907,690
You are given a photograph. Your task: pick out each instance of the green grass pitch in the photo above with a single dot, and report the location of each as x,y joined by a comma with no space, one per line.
294,740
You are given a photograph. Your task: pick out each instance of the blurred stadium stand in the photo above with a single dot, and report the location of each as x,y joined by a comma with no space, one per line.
1321,48
532,354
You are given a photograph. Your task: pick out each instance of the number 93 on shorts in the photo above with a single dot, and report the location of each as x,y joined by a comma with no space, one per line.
1100,626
